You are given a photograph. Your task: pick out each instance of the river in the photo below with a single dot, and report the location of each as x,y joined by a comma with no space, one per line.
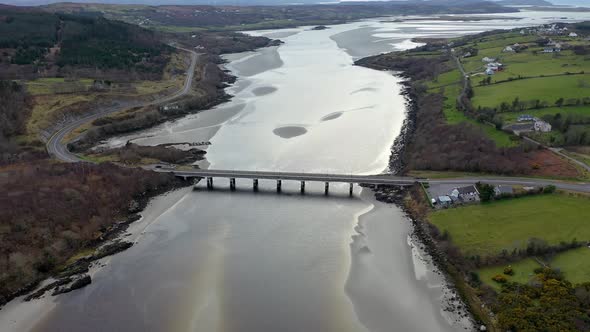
243,261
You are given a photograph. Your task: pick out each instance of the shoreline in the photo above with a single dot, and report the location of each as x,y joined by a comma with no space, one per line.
425,243
20,315
369,265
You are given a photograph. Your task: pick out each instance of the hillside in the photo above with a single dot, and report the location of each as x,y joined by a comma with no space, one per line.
34,43
233,18
516,86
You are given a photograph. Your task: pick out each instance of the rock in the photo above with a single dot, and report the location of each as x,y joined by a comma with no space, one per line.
320,27
80,266
77,284
44,289
111,249
483,328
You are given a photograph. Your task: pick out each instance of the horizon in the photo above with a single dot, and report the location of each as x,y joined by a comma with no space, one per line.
238,2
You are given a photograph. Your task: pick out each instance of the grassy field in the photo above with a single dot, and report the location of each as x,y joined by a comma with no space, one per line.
574,110
454,116
575,265
523,271
547,89
487,229
44,86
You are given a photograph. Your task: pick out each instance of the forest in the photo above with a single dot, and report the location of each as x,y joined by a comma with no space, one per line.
51,211
36,42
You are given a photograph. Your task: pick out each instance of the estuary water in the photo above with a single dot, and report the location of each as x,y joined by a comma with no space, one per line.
243,261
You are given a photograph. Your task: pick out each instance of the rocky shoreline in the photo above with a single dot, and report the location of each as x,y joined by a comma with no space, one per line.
406,199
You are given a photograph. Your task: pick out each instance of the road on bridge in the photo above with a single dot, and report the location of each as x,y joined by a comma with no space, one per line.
380,179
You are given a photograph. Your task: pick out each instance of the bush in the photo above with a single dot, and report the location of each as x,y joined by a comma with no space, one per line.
549,189
500,279
508,271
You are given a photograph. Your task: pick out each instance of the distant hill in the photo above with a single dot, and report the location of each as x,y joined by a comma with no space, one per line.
182,18
33,41
524,3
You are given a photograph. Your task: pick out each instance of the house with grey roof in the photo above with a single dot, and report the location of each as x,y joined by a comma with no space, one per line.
465,194
503,190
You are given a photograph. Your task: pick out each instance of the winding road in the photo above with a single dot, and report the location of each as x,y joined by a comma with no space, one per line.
57,149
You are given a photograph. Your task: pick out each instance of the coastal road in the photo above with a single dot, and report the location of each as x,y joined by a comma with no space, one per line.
60,151
582,187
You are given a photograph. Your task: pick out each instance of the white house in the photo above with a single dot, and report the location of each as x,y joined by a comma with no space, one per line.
486,59
466,194
490,71
508,49
542,126
573,34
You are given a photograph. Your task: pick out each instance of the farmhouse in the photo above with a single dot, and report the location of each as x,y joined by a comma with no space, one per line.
573,34
525,117
465,194
490,71
508,49
542,126
488,60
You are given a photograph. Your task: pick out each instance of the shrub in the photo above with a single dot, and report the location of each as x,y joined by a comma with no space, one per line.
500,279
508,270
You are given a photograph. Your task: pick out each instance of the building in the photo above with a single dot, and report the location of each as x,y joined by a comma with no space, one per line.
555,48
445,200
465,194
542,126
508,49
488,60
525,117
573,34
503,190
490,71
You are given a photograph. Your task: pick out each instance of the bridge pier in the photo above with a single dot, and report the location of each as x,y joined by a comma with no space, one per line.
350,188
302,187
326,188
255,184
209,183
232,184
279,183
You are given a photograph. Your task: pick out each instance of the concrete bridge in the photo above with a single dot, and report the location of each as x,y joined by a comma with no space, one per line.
279,177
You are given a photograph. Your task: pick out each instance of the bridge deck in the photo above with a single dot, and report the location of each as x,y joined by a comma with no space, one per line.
368,179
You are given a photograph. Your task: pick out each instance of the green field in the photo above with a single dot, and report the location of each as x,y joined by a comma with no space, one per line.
487,229
547,89
577,110
575,265
454,116
523,271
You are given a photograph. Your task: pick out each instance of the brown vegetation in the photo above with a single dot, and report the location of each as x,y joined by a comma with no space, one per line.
133,154
51,211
